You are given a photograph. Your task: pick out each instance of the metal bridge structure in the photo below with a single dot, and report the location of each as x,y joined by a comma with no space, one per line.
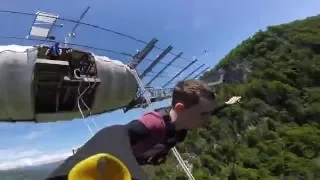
45,23
43,28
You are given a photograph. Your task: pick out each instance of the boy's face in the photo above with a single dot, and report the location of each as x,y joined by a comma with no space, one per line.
195,116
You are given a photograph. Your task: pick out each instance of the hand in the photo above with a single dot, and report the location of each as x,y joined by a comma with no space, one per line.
101,168
233,100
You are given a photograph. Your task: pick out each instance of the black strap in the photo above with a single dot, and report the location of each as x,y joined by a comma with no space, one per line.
158,154
172,135
137,131
170,128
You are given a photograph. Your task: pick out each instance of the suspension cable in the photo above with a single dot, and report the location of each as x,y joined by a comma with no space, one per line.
90,47
182,163
94,26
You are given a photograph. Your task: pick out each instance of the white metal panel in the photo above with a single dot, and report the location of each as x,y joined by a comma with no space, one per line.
46,14
46,17
38,31
47,21
56,62
16,76
118,85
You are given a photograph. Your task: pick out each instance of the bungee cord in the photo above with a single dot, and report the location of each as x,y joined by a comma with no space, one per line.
81,99
182,163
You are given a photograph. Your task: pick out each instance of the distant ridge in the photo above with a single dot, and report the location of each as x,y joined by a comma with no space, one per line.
38,172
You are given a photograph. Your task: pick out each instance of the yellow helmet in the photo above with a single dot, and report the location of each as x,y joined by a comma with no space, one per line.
100,167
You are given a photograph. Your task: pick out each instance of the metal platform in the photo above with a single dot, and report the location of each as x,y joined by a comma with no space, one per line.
55,85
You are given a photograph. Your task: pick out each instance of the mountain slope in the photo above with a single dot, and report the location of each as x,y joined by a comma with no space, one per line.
29,173
275,131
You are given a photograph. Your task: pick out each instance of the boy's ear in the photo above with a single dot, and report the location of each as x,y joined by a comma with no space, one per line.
179,107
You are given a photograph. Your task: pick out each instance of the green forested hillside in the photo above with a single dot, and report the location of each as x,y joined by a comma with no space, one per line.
275,131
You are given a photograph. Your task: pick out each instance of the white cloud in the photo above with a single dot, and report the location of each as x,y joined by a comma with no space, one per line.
21,157
33,135
17,153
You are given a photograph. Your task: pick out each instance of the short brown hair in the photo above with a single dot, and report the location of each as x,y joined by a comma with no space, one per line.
189,92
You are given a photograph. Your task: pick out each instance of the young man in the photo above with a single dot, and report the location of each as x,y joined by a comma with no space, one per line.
192,105
156,132
149,139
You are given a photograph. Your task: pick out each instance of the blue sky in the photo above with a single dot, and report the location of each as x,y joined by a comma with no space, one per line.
189,26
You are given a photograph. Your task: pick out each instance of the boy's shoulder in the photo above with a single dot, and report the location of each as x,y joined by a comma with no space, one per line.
157,113
151,117
154,120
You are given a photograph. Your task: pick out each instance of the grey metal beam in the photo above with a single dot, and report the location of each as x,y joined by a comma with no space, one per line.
72,33
201,72
156,61
160,93
192,62
193,71
164,68
156,95
81,17
136,60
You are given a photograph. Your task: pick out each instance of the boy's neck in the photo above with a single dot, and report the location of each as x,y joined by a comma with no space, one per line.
174,120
